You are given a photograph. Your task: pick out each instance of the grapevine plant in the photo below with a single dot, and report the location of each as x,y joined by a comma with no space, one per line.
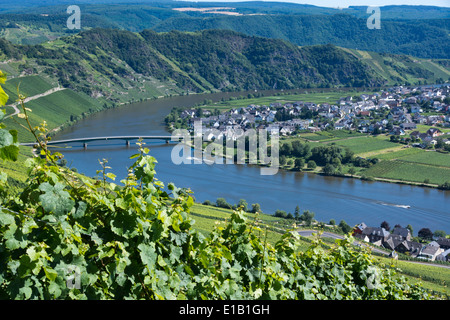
67,236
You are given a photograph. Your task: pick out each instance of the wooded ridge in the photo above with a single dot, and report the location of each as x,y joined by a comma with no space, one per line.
213,60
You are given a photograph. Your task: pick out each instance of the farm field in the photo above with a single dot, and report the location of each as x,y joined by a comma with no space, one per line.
398,154
49,108
207,217
430,158
365,144
424,128
16,171
28,86
408,171
396,161
412,164
325,136
432,277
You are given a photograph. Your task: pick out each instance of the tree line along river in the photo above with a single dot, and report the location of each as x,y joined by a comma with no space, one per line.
351,200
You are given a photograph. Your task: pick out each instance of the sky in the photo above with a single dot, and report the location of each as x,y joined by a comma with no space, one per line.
346,3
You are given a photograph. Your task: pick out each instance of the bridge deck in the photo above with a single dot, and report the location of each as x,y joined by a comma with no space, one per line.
89,139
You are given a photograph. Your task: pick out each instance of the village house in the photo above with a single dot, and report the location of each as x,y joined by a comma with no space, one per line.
444,243
408,126
404,233
434,132
430,251
397,131
444,256
399,241
416,109
375,235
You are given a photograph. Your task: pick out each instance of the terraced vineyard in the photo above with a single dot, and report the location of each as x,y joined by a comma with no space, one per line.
366,144
408,171
28,86
431,158
412,164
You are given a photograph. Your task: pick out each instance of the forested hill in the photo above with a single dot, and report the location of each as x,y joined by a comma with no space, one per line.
95,61
424,39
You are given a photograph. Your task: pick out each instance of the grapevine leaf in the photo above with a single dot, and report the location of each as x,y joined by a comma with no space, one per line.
50,273
2,77
80,210
148,255
6,219
111,176
15,238
3,96
54,289
25,266
123,225
26,291
13,265
32,254
28,226
14,134
55,199
8,149
6,138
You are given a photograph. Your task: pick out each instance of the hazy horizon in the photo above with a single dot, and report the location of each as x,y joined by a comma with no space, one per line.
347,3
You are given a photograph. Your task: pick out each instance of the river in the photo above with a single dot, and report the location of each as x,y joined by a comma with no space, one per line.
351,200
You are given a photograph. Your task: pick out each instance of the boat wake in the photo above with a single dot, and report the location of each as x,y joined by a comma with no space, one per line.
404,206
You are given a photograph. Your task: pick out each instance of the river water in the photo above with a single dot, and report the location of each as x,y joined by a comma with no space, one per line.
351,200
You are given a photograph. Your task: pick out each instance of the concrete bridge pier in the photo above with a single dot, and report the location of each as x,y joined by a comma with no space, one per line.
127,143
84,145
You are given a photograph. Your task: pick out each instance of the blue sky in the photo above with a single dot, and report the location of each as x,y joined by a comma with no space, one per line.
346,3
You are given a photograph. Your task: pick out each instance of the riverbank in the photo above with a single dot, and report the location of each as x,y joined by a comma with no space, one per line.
317,170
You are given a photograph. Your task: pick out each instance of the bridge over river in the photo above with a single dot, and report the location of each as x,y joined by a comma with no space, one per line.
85,141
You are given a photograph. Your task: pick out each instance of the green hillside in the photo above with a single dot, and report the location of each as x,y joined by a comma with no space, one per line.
229,60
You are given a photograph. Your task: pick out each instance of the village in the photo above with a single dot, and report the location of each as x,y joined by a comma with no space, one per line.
401,241
396,111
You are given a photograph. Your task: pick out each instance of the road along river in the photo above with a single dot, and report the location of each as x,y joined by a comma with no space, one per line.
351,200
